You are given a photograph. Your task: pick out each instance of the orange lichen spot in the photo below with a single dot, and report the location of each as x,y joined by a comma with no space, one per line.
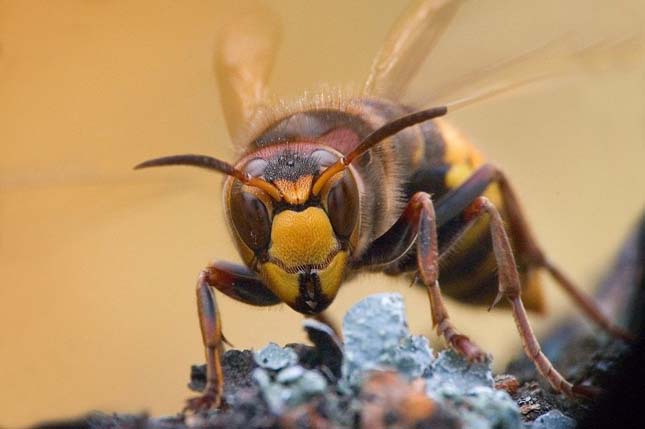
389,400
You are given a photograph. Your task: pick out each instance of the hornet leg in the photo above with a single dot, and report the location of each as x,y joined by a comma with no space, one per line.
533,256
241,284
509,288
529,252
466,200
421,210
418,225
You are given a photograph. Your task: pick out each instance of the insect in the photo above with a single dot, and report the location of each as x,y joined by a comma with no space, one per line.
334,185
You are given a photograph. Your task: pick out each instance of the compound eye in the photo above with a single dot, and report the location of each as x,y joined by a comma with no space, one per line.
342,205
251,219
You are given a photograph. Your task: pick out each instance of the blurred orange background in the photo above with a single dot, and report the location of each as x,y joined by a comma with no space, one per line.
98,263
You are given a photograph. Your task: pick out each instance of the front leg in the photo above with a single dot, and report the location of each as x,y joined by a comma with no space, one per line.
418,225
241,284
422,208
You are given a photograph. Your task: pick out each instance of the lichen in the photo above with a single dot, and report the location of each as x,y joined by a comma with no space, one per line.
283,382
377,338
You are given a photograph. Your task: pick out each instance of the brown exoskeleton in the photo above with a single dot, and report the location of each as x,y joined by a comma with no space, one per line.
334,185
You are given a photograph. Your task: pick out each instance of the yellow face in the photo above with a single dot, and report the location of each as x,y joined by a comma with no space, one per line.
306,263
296,240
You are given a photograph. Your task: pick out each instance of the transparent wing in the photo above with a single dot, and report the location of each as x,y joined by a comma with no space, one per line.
406,47
244,59
559,58
493,50
527,46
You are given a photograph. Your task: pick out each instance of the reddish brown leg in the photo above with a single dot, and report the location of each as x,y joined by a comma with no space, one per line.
241,284
509,287
211,327
531,254
420,212
418,224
